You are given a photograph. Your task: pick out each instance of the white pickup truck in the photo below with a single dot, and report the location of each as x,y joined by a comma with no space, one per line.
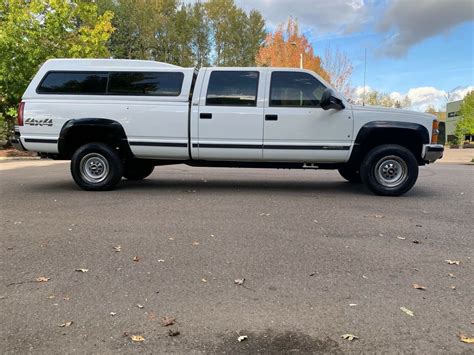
121,118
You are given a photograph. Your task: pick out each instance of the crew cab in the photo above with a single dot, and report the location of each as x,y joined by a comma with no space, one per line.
121,118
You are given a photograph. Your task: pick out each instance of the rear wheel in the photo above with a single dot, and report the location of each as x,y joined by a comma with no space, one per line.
135,169
389,170
350,173
96,167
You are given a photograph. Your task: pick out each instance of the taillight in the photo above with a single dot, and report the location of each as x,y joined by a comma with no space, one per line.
435,132
21,110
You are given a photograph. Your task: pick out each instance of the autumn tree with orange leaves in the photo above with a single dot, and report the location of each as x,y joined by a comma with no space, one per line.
284,47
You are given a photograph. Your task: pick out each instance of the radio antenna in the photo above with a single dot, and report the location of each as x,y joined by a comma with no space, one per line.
365,74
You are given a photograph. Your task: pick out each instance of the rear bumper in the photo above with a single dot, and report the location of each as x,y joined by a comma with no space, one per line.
432,152
15,139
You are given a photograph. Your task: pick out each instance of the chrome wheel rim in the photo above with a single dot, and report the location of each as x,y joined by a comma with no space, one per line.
94,168
391,171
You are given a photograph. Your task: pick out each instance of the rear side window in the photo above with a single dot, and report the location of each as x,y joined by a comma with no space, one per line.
232,88
295,89
73,83
143,84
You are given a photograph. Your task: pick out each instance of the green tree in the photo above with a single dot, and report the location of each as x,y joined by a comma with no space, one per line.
465,126
214,32
236,35
201,31
375,98
33,31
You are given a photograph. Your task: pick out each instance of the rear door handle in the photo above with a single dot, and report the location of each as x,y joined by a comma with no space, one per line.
206,116
271,117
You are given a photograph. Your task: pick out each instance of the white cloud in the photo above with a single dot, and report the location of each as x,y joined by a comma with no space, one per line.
421,97
321,17
335,16
408,22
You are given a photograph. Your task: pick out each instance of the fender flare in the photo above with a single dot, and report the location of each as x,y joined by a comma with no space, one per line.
371,128
117,130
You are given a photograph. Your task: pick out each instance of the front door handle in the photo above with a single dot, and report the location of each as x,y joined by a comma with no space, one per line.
206,116
271,117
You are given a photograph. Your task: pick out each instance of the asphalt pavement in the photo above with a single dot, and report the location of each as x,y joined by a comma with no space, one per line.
317,258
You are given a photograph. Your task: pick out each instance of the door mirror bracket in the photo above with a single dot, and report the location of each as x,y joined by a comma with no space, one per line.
329,101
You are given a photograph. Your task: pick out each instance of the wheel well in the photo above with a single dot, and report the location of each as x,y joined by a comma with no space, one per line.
75,135
411,139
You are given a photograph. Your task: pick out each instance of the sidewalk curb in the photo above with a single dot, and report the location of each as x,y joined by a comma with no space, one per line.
5,159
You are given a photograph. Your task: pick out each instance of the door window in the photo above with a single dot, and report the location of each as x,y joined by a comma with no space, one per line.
232,88
295,89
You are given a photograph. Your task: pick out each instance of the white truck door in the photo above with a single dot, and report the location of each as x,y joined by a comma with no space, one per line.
230,115
296,128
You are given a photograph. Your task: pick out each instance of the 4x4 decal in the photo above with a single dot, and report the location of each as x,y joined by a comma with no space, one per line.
32,122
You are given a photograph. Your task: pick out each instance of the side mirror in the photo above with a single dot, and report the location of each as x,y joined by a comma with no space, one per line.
329,100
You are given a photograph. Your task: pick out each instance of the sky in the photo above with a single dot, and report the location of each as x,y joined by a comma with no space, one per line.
420,48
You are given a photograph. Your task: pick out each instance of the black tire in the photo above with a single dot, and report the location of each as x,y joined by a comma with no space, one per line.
350,173
389,170
96,167
135,169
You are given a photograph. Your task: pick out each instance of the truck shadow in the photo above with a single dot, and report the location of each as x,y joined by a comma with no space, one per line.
241,185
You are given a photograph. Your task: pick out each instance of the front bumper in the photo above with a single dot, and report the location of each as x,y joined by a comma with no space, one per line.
432,152
15,139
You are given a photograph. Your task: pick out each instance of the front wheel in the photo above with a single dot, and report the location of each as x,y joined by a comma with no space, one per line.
389,170
96,167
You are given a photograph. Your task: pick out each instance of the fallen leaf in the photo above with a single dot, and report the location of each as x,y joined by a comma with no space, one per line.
42,279
465,339
66,324
239,281
173,333
166,321
419,287
407,311
242,338
82,270
140,306
118,248
203,280
453,262
113,314
349,337
137,338
136,258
